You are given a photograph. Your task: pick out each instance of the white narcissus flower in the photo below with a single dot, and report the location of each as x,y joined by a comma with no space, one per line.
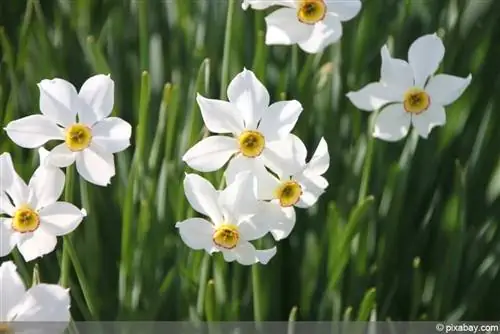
40,303
409,93
299,185
257,129
312,24
91,140
31,216
234,220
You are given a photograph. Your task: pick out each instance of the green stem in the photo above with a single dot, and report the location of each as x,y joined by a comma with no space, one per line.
257,310
68,197
227,48
202,285
367,166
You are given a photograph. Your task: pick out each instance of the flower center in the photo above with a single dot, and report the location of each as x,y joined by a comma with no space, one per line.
416,101
311,11
5,329
226,236
288,193
78,137
25,220
251,143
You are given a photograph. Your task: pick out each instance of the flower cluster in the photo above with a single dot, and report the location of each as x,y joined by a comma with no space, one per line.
266,175
32,217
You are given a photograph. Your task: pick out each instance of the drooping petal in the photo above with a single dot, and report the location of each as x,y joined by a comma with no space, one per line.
265,255
373,96
280,220
44,303
395,73
324,34
211,153
12,183
250,96
244,253
33,131
429,119
279,119
12,288
239,199
196,233
392,124
38,244
264,4
60,218
61,156
283,28
59,101
344,9
98,92
310,194
95,165
220,116
444,89
425,55
202,197
320,161
8,238
112,134
47,183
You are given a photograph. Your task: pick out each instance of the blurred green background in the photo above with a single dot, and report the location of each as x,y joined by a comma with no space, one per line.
406,230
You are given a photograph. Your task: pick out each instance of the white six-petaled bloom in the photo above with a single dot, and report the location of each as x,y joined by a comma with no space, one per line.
299,184
312,24
32,216
409,93
91,140
257,129
234,220
40,303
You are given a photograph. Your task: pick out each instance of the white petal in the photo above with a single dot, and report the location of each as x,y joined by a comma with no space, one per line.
33,131
47,183
283,28
98,92
395,73
12,183
44,303
392,123
95,166
42,155
320,161
266,183
425,55
426,121
324,34
8,238
229,255
12,288
61,156
59,101
250,96
211,153
253,228
60,218
239,163
280,119
310,194
112,134
5,205
264,4
373,96
196,233
265,255
280,220
444,89
203,197
344,9
220,116
282,157
238,199
38,244
244,253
